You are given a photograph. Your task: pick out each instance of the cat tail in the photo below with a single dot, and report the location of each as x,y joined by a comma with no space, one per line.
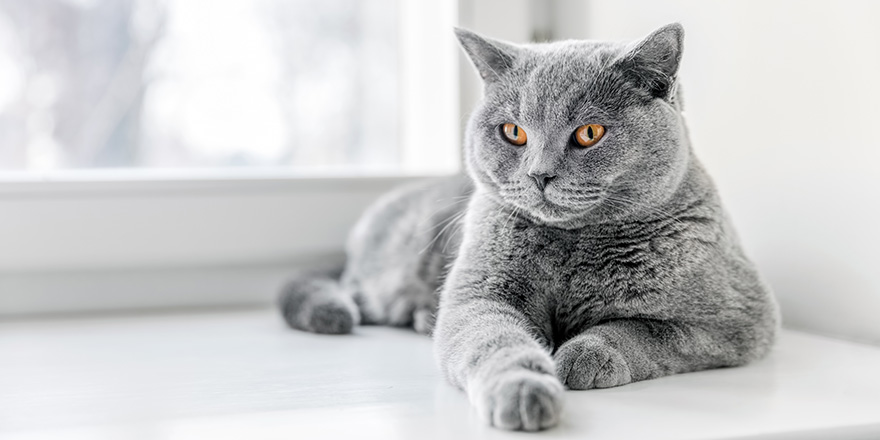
314,301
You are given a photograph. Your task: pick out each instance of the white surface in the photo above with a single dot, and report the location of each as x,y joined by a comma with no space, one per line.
780,107
98,241
111,224
82,243
236,375
244,285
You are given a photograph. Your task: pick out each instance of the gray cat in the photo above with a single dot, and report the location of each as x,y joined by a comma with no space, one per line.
588,249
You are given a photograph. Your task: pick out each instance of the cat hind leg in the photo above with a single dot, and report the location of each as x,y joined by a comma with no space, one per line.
316,302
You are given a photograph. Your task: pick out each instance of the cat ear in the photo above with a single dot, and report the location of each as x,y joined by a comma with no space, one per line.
492,58
653,62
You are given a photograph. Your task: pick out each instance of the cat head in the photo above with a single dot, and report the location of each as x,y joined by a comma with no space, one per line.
574,132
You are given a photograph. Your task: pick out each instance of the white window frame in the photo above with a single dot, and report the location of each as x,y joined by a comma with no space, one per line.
80,241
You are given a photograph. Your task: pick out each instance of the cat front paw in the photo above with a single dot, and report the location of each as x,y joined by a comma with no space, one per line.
587,362
521,400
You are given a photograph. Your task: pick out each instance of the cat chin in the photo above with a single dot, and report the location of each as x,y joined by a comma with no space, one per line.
572,222
550,214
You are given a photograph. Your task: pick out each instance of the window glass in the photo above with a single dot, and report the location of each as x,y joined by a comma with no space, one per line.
193,84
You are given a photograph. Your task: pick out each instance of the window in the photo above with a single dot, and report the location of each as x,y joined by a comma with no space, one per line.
294,85
183,152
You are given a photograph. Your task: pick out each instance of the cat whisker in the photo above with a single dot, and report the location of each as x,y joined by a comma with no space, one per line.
459,225
623,201
460,200
513,212
449,222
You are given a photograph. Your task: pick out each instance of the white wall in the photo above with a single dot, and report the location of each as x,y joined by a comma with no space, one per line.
782,99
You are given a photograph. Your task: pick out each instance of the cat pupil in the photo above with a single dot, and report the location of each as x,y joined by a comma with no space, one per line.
515,131
590,132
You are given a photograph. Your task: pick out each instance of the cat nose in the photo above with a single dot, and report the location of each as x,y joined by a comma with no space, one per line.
542,179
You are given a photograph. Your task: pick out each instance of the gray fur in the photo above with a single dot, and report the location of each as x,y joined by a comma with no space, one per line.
623,268
397,258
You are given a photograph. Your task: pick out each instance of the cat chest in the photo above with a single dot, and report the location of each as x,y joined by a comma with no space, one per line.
601,268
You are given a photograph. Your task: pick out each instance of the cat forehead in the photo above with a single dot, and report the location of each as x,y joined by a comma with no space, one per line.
572,54
565,81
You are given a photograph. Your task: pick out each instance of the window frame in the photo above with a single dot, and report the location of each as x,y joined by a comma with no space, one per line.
80,241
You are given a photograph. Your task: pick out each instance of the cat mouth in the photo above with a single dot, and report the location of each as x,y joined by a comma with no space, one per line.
555,206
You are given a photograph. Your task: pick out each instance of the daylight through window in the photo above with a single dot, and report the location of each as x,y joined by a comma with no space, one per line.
299,84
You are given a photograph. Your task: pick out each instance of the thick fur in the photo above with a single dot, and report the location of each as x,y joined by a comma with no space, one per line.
623,268
397,258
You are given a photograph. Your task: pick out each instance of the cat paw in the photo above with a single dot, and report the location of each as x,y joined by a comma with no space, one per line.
588,362
331,317
521,400
412,311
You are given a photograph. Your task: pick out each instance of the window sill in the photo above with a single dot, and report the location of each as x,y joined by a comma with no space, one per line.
87,241
64,225
242,374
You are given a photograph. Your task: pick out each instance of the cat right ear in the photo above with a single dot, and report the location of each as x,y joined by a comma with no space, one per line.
492,58
653,62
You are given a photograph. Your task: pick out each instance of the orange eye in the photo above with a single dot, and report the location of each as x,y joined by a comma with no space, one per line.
514,134
588,135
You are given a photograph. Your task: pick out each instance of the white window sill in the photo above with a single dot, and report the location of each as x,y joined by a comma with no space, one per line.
94,223
88,241
243,374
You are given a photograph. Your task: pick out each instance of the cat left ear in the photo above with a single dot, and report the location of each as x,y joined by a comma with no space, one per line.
492,58
653,62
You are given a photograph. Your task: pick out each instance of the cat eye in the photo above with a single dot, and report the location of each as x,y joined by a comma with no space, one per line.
588,135
514,134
